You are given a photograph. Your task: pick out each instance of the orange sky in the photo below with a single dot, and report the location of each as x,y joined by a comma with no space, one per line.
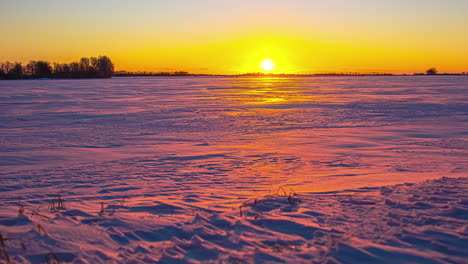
229,37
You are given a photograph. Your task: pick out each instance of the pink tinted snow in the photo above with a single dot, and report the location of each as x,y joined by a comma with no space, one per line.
409,223
234,169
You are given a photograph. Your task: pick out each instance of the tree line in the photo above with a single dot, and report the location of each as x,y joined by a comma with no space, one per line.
93,67
139,74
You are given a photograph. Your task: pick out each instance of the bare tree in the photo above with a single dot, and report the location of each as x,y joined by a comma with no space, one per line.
93,67
85,66
39,69
16,71
7,66
75,70
105,67
431,71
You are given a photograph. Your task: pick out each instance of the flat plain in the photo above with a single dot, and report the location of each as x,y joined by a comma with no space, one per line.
212,169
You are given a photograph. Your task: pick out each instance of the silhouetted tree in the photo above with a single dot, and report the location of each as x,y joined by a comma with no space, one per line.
2,71
39,69
104,67
62,70
181,73
93,67
57,70
431,71
15,71
6,67
85,65
66,70
75,70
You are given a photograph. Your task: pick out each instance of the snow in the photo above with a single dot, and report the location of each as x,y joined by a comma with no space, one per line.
188,170
419,223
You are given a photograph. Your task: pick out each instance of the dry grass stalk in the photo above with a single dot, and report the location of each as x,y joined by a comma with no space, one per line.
56,207
51,206
60,205
3,248
21,210
292,199
51,258
33,213
41,230
282,189
191,212
122,202
101,212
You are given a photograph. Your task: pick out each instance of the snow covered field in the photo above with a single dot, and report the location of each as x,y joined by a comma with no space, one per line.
140,170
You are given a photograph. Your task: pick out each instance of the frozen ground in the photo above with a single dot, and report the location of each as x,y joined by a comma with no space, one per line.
421,223
205,169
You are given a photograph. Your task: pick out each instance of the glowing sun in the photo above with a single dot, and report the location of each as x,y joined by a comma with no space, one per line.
267,65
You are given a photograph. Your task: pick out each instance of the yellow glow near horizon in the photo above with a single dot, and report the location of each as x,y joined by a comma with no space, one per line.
305,37
267,65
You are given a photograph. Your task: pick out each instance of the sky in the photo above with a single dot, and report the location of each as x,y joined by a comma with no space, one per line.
230,37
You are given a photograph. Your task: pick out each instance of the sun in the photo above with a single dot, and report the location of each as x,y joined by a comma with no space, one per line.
267,65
